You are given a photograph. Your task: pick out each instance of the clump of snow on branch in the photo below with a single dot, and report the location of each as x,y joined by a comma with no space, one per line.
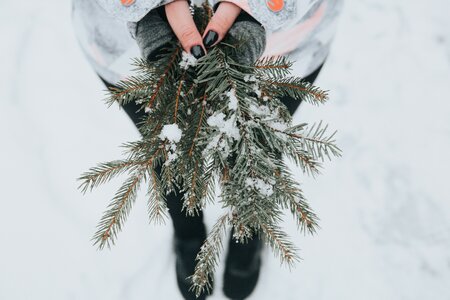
260,185
255,86
228,127
187,60
261,110
233,101
270,118
219,143
172,133
227,130
277,124
256,90
249,78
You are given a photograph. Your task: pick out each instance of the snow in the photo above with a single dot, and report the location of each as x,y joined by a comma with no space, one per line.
171,156
171,132
187,60
219,143
255,87
271,118
257,90
216,120
227,130
383,207
228,126
278,125
261,186
249,78
261,110
233,101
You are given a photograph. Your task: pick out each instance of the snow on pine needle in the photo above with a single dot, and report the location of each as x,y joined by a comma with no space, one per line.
215,121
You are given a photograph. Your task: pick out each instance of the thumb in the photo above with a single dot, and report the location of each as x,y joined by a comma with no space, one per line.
182,23
220,23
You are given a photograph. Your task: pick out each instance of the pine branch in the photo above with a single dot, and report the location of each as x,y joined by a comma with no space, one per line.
191,203
142,67
104,172
163,77
134,88
280,244
177,98
274,66
299,89
119,208
200,122
217,122
316,141
157,203
306,219
208,257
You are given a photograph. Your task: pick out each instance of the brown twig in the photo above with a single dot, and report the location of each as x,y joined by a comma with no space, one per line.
178,98
161,80
199,125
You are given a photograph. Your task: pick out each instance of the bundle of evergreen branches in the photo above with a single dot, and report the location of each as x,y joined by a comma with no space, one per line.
216,121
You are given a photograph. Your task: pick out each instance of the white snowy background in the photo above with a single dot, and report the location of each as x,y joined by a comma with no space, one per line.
384,206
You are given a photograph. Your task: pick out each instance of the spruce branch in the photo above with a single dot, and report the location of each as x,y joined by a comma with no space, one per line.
273,66
217,122
208,257
297,88
119,208
163,77
104,172
157,203
280,244
315,140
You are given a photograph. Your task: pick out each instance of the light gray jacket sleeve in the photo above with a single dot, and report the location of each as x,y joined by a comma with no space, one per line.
130,10
275,14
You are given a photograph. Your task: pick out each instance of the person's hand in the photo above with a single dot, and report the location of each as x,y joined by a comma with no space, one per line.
158,27
183,25
243,28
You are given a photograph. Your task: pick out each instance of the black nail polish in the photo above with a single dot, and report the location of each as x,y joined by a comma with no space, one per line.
197,51
210,38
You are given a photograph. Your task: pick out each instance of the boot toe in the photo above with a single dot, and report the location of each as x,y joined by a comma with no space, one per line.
186,252
242,269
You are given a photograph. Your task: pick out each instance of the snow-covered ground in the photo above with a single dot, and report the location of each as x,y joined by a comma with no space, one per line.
384,206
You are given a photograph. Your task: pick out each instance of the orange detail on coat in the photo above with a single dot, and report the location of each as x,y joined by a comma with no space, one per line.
127,2
275,5
287,40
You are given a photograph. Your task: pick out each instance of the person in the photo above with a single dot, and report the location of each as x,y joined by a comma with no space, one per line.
111,32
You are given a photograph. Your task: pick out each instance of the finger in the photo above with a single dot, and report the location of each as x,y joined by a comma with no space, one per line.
183,26
220,23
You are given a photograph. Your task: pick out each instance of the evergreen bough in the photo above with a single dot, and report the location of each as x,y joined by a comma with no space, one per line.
234,132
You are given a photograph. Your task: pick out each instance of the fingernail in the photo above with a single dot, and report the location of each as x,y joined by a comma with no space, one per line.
197,51
210,38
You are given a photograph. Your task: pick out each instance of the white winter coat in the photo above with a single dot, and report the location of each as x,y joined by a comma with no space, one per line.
302,29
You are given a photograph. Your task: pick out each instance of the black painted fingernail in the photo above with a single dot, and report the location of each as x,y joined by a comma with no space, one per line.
197,51
210,38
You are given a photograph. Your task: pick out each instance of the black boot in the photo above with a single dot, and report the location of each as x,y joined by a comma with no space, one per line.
186,251
242,268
